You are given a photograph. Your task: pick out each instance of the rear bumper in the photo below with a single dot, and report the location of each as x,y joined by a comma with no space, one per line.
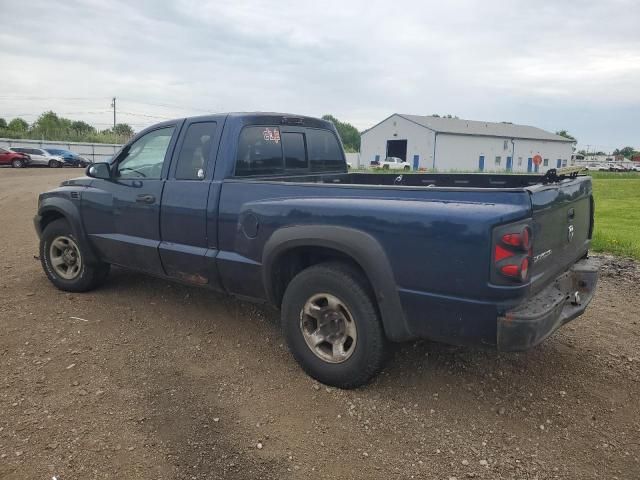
566,298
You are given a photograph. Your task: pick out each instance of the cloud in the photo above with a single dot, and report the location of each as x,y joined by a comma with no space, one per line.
545,63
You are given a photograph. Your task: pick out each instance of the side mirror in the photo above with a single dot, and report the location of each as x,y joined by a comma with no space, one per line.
99,170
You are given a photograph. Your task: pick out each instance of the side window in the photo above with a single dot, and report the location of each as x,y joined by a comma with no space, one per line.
259,151
295,154
324,151
144,157
195,151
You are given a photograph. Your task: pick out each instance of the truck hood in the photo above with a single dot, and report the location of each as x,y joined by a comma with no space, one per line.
77,182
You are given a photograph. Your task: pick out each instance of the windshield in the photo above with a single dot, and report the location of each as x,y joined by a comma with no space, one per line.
54,151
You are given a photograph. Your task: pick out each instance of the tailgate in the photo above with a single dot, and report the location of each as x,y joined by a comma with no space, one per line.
562,227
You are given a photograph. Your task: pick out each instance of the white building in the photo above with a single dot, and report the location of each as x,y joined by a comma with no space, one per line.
447,144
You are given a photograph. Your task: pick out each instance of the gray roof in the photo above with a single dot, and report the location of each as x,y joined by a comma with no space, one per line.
492,129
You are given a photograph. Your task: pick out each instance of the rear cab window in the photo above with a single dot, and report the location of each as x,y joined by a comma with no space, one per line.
196,151
276,150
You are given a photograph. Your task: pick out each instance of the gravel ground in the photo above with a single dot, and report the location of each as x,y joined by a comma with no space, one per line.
147,379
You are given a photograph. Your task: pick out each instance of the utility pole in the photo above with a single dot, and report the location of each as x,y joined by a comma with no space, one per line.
113,105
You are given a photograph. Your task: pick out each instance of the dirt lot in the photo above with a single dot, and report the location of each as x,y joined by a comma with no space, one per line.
147,379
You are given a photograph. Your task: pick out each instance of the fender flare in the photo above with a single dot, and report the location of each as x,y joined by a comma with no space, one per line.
364,249
69,211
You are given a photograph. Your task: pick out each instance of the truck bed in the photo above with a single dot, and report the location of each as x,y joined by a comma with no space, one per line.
448,180
435,229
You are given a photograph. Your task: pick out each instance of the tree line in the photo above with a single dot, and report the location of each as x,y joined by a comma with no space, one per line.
50,126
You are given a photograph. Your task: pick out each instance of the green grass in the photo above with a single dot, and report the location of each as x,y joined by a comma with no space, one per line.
617,222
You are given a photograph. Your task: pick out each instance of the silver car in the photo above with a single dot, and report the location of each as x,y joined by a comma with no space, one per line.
38,156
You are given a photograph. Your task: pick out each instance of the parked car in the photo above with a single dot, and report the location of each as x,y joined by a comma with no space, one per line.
70,158
374,163
394,163
15,159
262,206
38,156
635,167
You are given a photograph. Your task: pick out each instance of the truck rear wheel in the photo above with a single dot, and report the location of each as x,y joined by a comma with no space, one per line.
63,260
332,326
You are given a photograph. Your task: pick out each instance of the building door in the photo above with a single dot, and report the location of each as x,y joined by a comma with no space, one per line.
509,164
559,163
397,148
481,163
416,162
529,164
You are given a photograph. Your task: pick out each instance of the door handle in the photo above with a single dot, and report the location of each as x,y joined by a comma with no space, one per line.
145,198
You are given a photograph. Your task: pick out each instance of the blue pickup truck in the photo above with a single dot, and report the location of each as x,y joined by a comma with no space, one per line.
262,206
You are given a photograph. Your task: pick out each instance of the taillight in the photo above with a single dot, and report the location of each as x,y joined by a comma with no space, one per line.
520,239
516,271
512,251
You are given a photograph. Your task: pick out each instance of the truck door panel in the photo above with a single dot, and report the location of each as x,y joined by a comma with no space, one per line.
186,250
122,214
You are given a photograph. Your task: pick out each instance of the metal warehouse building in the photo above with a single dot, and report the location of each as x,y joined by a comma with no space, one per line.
440,143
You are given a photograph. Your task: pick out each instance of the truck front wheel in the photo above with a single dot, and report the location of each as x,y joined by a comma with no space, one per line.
63,260
332,325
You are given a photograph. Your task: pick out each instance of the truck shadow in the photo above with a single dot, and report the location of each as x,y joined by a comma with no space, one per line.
414,363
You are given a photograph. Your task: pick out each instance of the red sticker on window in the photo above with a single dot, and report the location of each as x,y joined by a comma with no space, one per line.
271,135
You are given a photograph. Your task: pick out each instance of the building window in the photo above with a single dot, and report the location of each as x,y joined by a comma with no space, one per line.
498,161
545,162
519,161
506,145
564,162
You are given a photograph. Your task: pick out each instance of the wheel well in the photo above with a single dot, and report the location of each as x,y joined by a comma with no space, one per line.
48,217
293,261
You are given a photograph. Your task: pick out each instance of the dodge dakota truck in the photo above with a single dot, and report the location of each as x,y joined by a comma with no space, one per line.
263,207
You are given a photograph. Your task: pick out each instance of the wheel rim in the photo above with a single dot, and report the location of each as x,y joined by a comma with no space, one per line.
328,328
17,163
65,257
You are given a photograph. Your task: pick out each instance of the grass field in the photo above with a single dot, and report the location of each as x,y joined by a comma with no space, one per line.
617,228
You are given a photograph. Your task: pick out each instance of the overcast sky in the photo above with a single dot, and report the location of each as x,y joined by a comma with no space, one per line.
571,65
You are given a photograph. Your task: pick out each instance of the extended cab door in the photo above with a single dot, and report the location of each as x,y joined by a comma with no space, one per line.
187,252
122,214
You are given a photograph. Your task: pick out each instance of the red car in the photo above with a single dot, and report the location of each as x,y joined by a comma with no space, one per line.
15,159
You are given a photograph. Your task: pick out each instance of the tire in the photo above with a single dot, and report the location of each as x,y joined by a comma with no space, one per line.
88,276
407,167
17,163
54,164
385,167
365,353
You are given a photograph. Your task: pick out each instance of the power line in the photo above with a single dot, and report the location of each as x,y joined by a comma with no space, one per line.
145,115
168,105
34,97
58,113
140,102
